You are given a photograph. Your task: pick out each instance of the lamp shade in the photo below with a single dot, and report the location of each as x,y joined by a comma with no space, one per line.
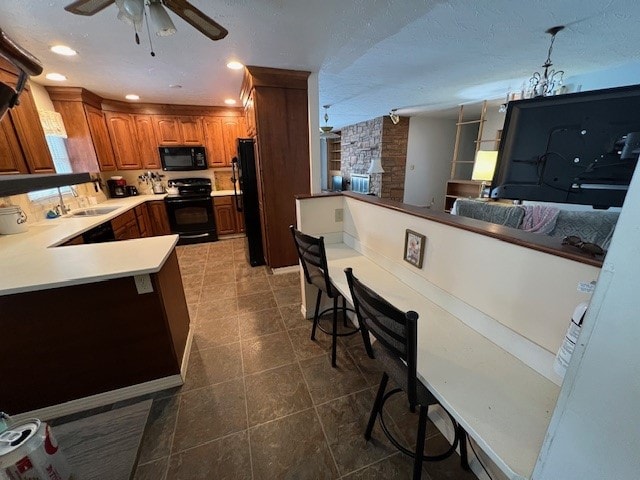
376,166
160,20
485,165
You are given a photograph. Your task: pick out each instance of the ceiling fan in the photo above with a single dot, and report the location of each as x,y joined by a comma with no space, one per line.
133,11
326,131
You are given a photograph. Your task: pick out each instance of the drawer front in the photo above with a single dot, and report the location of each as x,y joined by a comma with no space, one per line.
227,200
121,220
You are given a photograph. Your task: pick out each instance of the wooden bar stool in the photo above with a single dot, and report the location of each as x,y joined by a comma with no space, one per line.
314,264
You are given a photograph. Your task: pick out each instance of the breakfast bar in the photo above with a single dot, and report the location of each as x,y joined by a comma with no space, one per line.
488,367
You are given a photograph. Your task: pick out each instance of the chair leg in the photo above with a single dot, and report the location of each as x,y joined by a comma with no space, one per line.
315,315
422,430
464,459
377,404
334,332
345,320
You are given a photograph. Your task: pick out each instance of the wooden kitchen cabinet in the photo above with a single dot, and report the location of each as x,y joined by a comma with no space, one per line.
147,144
144,223
158,218
25,122
276,100
123,139
239,221
125,226
214,142
11,158
100,138
88,143
224,211
178,130
232,129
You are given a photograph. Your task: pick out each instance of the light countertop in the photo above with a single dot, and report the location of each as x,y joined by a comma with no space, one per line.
32,261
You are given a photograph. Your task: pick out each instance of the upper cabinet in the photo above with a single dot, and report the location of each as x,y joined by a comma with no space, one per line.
123,139
178,130
111,135
147,144
220,138
22,123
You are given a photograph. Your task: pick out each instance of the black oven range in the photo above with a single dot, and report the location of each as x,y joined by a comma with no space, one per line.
190,210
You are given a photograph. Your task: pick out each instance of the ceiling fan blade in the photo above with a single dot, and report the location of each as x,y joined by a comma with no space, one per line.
196,18
87,7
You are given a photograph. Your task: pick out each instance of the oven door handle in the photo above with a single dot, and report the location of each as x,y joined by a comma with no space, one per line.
186,200
199,235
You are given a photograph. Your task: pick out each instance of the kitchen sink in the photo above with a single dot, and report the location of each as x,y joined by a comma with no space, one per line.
93,212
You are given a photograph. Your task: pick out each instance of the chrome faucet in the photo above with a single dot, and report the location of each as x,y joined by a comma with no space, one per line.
61,208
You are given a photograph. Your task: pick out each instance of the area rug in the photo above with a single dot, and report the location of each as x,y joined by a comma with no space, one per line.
104,446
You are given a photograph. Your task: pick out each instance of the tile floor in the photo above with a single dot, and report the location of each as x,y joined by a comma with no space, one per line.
261,400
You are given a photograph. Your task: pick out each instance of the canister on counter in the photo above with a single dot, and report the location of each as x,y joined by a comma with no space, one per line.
28,450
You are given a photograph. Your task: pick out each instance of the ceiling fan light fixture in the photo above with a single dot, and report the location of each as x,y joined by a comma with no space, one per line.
133,8
160,19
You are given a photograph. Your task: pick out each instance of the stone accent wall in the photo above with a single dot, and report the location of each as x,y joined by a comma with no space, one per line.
377,138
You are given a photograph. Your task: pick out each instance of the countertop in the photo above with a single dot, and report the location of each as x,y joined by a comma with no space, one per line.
32,261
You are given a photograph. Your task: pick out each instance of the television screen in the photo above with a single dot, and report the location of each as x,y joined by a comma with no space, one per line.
579,148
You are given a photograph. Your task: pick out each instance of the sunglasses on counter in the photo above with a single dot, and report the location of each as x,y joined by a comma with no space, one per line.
590,248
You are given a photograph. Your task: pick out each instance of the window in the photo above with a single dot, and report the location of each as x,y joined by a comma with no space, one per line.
62,165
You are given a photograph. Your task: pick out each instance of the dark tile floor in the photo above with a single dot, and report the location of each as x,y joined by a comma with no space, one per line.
261,400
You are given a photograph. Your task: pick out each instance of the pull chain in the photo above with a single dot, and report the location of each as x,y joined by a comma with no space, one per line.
146,20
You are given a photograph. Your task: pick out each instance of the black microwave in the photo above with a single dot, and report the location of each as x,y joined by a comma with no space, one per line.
183,158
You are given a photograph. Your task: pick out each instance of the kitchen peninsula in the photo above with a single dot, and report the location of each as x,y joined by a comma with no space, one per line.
85,325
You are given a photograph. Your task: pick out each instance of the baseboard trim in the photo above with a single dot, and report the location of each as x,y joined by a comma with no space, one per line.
112,396
283,270
101,399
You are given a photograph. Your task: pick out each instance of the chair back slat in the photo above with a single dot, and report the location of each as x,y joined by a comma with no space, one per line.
313,258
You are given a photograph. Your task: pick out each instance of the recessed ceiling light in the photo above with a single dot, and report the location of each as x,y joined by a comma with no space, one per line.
132,96
230,101
235,65
64,50
58,77
175,85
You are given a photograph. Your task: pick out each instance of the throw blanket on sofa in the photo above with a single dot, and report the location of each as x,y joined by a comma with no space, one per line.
539,219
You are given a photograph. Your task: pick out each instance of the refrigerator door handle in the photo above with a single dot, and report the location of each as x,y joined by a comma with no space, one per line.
236,178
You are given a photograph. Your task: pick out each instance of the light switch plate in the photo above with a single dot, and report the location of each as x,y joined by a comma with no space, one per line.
339,213
143,284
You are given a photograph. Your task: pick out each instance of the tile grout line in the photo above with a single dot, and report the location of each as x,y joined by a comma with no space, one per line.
315,409
246,395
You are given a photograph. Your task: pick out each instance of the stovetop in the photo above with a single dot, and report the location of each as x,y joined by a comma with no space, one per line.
190,187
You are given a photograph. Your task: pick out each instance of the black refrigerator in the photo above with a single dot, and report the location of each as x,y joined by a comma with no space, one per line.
244,170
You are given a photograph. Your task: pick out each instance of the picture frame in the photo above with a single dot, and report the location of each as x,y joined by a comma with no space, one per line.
414,246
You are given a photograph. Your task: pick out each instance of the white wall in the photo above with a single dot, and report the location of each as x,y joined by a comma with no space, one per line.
314,134
41,97
429,151
594,433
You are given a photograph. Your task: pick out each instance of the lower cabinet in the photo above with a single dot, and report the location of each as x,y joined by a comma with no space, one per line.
228,219
125,226
158,218
144,224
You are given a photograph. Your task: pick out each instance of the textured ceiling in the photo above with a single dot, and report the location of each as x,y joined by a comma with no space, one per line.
371,55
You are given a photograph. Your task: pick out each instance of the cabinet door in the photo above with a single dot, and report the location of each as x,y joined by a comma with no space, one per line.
158,218
123,138
191,132
100,136
29,132
232,129
144,224
250,116
214,141
11,158
147,144
167,130
225,219
239,222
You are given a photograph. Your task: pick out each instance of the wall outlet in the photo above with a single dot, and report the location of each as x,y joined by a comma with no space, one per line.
143,284
339,213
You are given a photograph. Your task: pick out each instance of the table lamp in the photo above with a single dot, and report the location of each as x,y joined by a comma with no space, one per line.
483,167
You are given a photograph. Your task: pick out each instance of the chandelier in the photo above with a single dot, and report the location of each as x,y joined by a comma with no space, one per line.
545,83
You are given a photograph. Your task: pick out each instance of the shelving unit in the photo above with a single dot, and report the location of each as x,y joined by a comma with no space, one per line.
334,162
460,184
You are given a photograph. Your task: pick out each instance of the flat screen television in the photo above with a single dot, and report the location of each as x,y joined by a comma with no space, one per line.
579,148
